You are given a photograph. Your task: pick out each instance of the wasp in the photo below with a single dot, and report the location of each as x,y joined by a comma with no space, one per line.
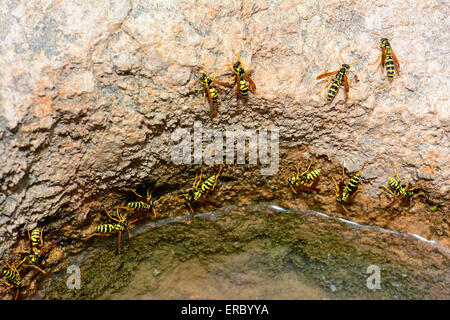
305,180
35,252
145,204
209,90
243,82
387,57
399,190
336,83
199,193
120,224
13,278
346,193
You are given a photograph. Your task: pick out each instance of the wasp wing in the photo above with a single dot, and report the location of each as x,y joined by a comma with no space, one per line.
251,84
396,62
383,57
324,75
208,94
346,85
50,246
394,202
223,84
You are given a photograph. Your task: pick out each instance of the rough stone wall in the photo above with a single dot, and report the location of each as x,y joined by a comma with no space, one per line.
91,91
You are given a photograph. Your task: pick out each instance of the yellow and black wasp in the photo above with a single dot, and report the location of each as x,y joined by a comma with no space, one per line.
344,194
120,224
387,57
305,180
336,83
13,279
242,81
401,191
199,193
209,90
146,204
36,251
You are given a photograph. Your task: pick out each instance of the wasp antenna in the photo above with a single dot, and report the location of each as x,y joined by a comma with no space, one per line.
377,35
390,34
354,62
341,58
360,170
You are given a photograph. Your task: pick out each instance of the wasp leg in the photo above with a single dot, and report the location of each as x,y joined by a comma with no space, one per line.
328,83
111,216
41,240
337,188
200,178
203,97
290,185
217,178
410,200
36,267
389,190
345,209
134,191
354,194
379,64
126,208
119,238
21,251
395,172
351,84
190,207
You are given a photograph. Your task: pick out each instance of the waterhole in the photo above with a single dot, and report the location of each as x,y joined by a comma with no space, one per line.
257,252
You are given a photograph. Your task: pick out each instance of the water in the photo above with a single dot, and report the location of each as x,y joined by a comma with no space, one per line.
258,252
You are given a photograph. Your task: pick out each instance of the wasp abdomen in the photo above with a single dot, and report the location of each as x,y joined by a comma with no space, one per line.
243,88
138,205
313,175
105,228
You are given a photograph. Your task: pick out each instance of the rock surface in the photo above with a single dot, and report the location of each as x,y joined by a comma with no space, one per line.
91,92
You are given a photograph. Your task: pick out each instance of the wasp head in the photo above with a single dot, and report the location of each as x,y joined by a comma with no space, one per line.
186,196
384,41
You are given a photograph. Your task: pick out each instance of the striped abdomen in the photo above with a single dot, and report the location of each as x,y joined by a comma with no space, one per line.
205,187
312,175
336,85
243,87
106,228
390,68
396,187
351,187
213,94
35,237
138,205
12,276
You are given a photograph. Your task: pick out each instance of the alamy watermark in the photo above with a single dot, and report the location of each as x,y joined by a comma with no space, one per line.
74,280
207,146
373,282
